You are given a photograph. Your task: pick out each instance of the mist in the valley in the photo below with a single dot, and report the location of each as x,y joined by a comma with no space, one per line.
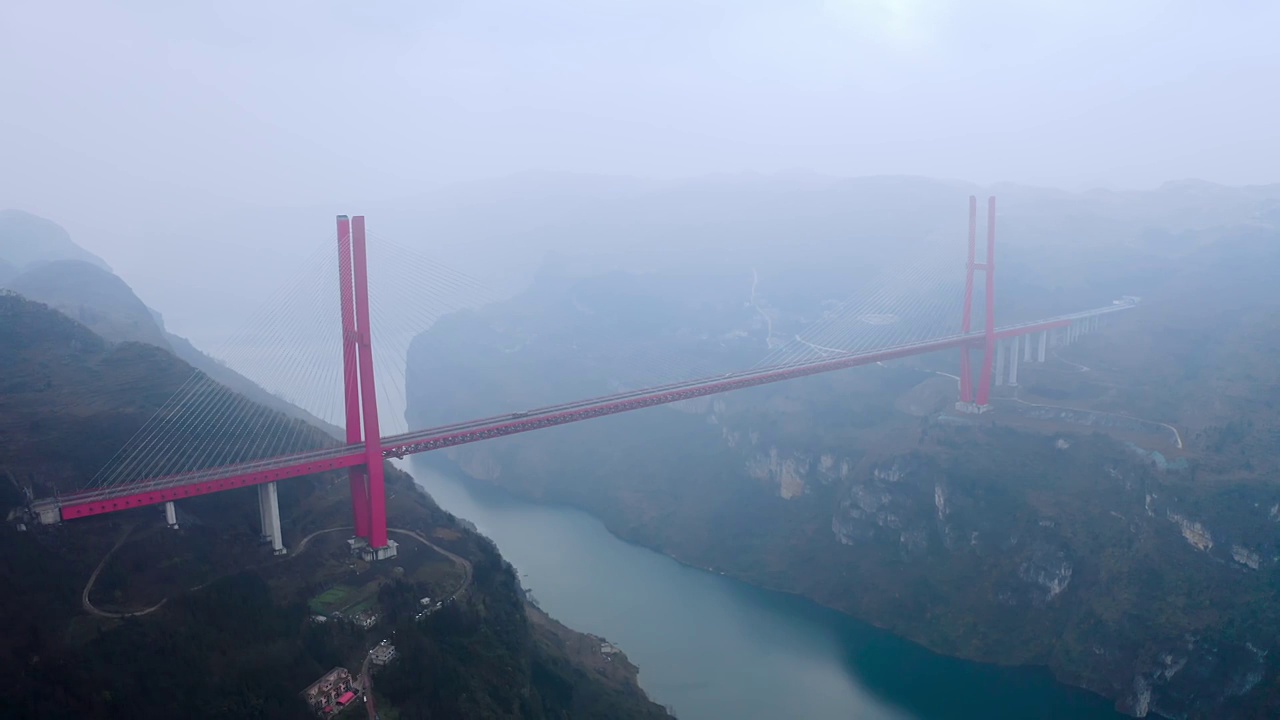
201,149
688,307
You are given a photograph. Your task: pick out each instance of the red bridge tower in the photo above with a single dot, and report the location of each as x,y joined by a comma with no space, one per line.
968,403
368,493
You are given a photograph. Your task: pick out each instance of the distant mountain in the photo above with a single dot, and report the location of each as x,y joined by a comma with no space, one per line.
91,295
28,240
88,292
69,399
39,260
503,228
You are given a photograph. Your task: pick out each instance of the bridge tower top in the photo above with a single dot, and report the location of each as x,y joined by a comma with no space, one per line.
988,268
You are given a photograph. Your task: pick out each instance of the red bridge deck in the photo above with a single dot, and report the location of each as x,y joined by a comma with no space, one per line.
204,482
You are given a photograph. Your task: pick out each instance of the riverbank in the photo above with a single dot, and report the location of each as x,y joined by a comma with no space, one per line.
710,646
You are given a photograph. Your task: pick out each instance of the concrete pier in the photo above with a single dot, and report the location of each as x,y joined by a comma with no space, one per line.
269,508
1026,348
1013,361
1044,345
360,548
171,515
1000,362
263,521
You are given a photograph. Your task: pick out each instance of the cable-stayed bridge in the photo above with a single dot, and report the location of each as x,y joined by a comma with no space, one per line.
182,451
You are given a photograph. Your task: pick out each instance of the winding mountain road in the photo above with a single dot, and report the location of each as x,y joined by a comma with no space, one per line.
88,605
1177,436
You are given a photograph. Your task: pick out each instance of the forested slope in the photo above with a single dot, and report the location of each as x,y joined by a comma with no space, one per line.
232,637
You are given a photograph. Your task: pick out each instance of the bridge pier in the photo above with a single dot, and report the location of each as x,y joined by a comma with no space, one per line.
1000,348
1026,348
1013,361
269,510
1044,345
170,515
263,521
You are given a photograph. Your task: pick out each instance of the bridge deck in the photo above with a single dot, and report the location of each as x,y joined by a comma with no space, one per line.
212,480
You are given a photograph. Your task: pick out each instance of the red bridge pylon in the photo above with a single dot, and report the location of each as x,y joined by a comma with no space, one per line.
968,403
368,491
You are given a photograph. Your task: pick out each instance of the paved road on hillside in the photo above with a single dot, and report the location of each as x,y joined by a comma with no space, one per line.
366,679
84,596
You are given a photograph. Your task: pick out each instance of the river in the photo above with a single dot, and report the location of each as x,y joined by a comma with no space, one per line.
713,648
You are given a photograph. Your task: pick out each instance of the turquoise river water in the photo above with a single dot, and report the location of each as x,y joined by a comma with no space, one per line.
712,648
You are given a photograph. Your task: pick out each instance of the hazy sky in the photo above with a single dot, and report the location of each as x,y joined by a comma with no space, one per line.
165,111
269,102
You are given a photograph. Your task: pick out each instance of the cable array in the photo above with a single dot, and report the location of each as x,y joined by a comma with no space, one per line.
291,348
409,291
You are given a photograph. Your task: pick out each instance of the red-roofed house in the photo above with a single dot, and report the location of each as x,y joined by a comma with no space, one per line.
330,689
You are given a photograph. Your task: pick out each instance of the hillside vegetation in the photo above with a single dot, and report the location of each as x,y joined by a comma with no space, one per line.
232,638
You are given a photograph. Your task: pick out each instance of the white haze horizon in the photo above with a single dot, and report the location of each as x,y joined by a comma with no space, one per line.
200,148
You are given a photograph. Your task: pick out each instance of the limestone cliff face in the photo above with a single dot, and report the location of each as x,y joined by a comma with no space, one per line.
791,472
1030,571
909,503
794,473
1072,552
1037,572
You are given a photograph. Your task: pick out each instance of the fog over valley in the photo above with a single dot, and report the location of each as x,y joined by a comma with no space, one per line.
640,359
155,134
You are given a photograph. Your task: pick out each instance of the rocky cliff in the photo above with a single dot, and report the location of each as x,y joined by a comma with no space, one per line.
1116,521
1071,551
